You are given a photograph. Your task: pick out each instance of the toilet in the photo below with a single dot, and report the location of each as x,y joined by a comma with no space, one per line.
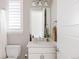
13,51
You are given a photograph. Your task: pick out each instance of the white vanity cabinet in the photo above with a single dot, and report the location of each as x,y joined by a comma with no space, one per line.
39,51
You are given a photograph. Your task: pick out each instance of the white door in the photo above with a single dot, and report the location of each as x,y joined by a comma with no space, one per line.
68,29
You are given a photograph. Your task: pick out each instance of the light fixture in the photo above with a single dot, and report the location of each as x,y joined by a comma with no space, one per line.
33,3
39,3
46,4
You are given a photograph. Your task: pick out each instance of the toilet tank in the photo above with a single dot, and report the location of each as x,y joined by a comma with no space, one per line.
13,51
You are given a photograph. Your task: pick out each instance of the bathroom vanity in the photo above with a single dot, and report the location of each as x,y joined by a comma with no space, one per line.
40,33
41,50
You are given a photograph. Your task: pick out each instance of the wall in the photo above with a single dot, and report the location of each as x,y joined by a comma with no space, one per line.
53,11
2,4
53,8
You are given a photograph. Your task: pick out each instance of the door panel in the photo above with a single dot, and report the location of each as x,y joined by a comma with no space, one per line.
34,56
68,29
49,56
69,43
69,11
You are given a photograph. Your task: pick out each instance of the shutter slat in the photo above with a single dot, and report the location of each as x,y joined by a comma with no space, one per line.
15,13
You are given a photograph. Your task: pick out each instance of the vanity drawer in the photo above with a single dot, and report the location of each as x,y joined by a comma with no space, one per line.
42,50
42,56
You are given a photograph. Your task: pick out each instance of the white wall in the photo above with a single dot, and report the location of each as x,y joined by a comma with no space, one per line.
53,9
2,4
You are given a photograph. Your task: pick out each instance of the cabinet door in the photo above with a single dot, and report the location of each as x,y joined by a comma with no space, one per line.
34,56
49,56
42,56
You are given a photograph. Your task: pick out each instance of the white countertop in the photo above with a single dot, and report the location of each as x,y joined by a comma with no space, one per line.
42,44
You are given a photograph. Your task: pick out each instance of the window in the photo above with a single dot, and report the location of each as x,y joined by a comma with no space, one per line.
15,15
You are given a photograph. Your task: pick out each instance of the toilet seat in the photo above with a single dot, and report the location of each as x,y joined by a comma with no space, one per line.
11,58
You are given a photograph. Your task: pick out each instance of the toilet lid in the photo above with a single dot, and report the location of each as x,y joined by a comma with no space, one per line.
11,58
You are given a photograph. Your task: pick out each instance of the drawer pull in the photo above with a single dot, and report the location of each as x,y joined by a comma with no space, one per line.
42,57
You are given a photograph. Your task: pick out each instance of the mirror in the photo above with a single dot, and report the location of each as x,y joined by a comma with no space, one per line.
40,22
